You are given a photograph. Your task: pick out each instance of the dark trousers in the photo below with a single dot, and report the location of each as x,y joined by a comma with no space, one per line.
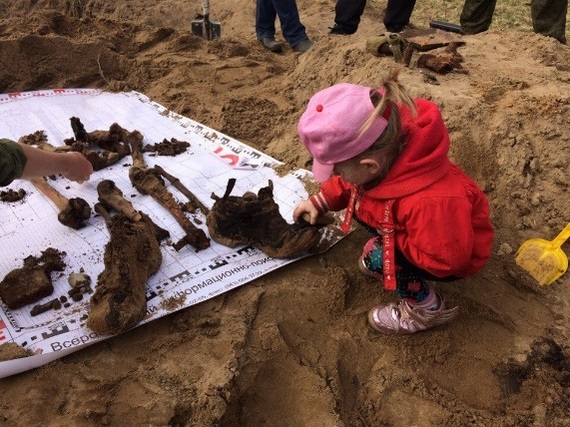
548,17
348,13
266,13
398,14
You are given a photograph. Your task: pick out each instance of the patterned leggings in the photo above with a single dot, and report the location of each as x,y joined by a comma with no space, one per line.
410,282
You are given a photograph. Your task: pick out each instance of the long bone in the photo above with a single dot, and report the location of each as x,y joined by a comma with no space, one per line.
147,181
72,212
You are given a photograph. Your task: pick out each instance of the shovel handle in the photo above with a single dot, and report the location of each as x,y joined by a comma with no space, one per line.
206,7
562,237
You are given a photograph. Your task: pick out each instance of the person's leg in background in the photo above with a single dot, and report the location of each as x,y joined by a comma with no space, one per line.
477,15
398,14
293,30
549,18
347,16
265,15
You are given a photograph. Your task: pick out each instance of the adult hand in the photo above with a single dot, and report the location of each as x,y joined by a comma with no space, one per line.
76,167
72,165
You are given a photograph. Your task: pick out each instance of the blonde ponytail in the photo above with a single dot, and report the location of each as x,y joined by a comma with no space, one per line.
393,91
392,141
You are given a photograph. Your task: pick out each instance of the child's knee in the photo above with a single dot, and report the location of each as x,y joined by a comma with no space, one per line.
372,259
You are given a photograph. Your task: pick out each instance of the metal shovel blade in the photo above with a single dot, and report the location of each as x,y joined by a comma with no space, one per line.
543,259
209,30
203,27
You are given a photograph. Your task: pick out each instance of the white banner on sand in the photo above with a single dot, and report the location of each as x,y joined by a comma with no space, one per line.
186,277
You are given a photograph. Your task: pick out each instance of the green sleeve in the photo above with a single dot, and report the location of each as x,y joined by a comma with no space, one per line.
12,161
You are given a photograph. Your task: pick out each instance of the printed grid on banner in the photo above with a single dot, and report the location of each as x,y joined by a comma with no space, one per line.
30,225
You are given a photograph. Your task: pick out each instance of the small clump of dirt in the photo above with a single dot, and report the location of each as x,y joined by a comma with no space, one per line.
255,220
174,302
80,284
33,281
442,62
11,351
167,148
131,256
39,137
12,195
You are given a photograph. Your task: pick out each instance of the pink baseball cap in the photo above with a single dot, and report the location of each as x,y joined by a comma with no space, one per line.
331,125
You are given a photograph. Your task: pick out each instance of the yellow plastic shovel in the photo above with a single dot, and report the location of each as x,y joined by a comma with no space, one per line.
544,259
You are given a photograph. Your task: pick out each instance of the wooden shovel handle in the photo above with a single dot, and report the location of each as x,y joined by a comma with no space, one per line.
42,185
562,237
206,7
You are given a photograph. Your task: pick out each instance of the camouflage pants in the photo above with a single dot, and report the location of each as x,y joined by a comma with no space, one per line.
548,17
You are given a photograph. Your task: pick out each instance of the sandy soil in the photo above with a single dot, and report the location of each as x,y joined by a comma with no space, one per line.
293,348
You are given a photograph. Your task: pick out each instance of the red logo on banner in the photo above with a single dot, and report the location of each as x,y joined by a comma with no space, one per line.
2,327
232,159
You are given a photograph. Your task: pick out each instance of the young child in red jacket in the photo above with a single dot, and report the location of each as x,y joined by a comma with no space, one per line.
383,156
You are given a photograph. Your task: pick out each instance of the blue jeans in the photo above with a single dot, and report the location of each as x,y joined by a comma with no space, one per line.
268,10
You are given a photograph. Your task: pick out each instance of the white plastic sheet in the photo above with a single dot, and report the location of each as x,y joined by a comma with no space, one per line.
187,277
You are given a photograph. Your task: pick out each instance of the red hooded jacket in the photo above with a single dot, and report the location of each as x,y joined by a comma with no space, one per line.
439,215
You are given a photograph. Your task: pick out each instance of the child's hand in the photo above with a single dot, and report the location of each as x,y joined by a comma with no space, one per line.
77,167
306,207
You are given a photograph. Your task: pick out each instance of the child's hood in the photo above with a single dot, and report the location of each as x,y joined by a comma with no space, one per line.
424,158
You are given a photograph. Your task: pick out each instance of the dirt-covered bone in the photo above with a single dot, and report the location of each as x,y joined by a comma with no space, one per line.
148,181
112,197
98,159
73,212
132,256
39,139
54,304
194,202
255,220
116,139
33,281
